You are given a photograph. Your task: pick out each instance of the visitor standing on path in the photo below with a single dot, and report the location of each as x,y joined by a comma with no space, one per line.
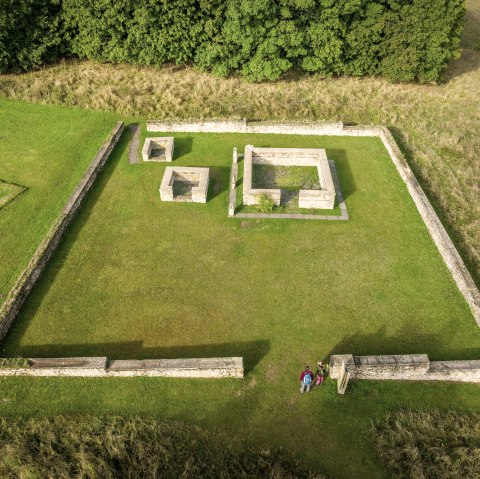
306,379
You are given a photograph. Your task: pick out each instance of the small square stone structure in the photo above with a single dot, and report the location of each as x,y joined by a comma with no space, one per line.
324,198
194,178
158,149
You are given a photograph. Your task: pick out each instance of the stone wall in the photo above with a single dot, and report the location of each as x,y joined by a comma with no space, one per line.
229,367
323,198
242,126
410,367
435,228
43,253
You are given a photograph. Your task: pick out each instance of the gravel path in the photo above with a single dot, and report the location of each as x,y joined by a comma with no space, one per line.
134,144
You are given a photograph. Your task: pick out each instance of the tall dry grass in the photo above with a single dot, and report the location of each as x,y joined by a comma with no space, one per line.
429,445
437,126
65,447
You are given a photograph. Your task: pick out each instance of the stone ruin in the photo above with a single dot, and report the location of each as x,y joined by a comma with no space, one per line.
185,183
323,198
158,149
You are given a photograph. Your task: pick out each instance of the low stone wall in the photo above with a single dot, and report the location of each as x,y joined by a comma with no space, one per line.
447,249
324,198
206,126
43,253
244,126
163,142
410,367
229,367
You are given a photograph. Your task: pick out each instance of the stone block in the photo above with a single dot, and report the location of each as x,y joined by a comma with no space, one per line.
158,149
193,182
229,367
324,198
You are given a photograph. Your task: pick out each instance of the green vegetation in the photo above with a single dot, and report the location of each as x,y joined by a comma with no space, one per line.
257,39
138,278
429,445
285,177
436,126
8,363
47,150
265,203
113,447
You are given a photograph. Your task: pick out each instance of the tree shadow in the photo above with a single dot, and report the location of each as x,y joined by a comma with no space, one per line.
251,351
344,172
470,56
182,147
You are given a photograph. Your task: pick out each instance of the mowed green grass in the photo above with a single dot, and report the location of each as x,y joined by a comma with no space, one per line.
138,278
46,151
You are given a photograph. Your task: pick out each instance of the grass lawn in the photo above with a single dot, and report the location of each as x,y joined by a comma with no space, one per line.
138,278
46,151
436,125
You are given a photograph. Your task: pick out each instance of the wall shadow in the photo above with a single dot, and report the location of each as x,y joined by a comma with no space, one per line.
407,341
470,56
182,147
219,181
345,176
251,351
59,257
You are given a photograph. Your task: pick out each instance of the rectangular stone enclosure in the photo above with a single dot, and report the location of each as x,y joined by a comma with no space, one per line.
158,149
324,198
185,184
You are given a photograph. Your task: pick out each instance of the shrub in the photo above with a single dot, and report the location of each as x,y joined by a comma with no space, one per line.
116,447
31,34
404,40
265,203
429,445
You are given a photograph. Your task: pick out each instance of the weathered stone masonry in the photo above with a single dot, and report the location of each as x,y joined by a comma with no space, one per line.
408,367
228,367
324,198
43,253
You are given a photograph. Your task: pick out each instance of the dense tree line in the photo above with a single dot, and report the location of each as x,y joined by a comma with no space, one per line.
404,40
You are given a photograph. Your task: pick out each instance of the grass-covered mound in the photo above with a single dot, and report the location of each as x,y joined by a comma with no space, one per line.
429,445
110,447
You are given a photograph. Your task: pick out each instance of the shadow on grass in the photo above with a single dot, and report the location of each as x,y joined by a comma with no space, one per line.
407,341
59,257
182,147
219,181
345,176
251,351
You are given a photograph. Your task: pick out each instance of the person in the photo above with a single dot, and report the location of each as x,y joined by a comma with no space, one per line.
306,379
321,373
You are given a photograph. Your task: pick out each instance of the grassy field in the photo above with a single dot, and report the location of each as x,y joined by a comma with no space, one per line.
437,126
135,277
46,151
224,286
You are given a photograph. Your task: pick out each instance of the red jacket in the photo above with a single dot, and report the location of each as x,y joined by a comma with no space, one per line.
306,372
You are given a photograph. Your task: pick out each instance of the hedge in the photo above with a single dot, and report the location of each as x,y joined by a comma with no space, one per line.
403,40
